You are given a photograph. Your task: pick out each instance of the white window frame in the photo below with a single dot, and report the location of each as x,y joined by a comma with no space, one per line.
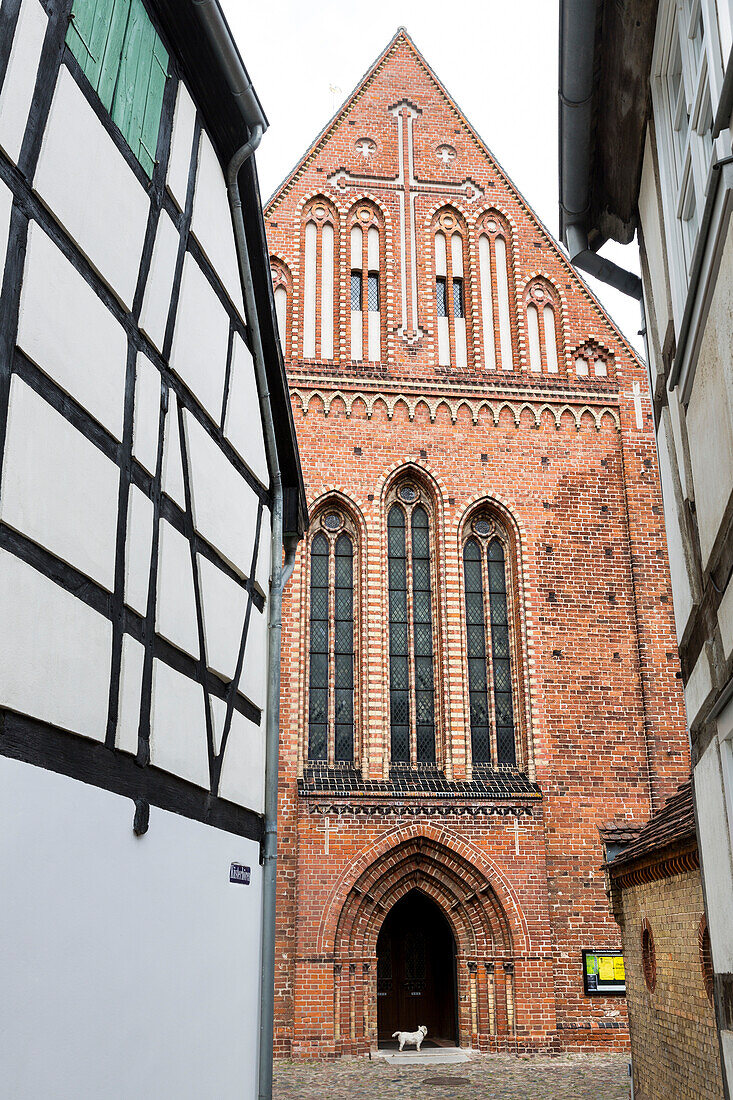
685,164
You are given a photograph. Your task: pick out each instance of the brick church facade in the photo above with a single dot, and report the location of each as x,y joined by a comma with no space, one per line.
479,663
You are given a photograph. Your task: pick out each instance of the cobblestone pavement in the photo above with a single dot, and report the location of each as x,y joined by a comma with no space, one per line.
489,1077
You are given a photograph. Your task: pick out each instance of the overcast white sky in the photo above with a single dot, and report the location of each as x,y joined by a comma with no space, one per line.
497,58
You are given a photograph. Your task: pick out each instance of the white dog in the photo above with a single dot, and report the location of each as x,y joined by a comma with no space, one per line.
412,1038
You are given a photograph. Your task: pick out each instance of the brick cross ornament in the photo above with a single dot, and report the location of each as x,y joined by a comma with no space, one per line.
407,187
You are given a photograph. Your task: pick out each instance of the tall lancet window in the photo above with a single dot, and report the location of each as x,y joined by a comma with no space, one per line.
365,287
542,309
450,297
490,643
495,282
281,291
318,285
332,641
411,639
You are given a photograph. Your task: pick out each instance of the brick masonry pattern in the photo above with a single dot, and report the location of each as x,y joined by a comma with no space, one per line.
602,712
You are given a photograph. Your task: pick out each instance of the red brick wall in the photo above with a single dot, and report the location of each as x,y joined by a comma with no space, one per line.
563,459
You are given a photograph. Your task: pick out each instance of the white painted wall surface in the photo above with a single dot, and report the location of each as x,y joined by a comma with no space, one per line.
66,329
159,287
77,147
58,488
178,726
144,984
200,339
20,79
55,652
715,840
179,158
211,223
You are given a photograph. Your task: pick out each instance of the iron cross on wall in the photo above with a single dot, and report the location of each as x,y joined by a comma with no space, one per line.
408,187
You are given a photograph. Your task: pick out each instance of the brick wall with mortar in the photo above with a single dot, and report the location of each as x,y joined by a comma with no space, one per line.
675,1042
564,460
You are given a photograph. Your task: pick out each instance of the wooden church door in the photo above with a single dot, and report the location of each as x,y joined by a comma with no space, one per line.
416,971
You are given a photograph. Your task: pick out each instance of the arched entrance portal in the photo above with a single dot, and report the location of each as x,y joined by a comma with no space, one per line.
416,971
422,885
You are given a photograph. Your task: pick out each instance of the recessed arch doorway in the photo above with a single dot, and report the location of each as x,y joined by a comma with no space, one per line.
416,971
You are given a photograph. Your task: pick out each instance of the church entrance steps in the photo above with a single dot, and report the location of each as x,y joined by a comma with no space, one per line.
436,1056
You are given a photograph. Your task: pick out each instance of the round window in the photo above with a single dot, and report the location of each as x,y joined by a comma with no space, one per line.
648,956
332,521
483,526
408,493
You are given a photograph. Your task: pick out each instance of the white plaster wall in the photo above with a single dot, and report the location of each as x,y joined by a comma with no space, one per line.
200,339
650,216
131,682
138,547
179,158
243,422
224,507
699,687
710,410
243,769
159,287
6,205
55,654
211,223
223,604
20,78
681,588
253,683
172,475
146,413
79,159
715,844
70,334
145,982
178,726
58,488
175,608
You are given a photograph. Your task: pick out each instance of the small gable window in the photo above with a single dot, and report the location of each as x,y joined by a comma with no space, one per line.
450,303
366,317
494,279
591,361
126,63
542,334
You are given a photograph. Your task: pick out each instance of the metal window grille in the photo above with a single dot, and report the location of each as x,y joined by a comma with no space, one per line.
399,677
356,291
344,650
458,298
319,647
441,296
501,654
373,292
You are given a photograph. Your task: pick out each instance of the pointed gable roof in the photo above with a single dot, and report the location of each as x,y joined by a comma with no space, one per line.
402,39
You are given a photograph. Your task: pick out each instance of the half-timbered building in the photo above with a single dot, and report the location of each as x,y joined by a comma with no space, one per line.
149,477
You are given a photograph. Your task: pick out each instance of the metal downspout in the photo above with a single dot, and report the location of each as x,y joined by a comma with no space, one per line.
280,573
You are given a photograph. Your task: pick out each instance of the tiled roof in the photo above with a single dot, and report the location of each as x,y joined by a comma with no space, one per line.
620,831
672,826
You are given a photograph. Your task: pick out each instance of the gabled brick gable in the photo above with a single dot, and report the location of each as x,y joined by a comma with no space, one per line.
569,462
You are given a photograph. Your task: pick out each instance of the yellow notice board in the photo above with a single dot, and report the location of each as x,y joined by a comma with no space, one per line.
603,973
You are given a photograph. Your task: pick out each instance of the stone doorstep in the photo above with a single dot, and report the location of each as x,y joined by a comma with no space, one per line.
439,1056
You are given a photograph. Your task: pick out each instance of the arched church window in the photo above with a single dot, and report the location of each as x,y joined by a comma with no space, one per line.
450,301
490,642
494,278
365,291
331,651
318,276
542,331
411,638
281,293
